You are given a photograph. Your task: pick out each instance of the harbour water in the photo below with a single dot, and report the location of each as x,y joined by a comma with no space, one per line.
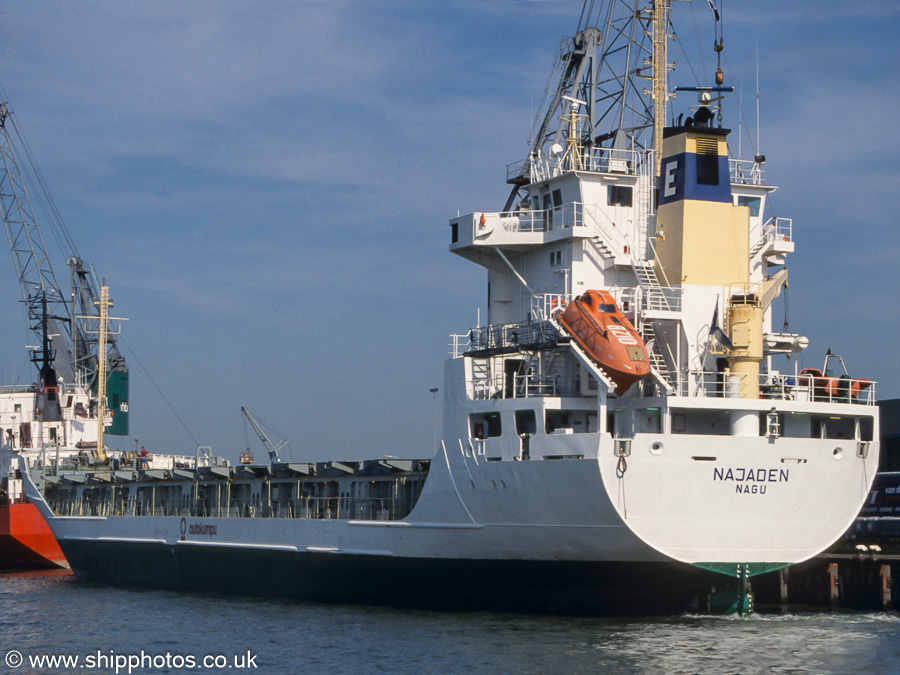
44,615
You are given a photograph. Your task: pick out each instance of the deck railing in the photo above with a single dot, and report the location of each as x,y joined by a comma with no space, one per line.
327,508
592,160
777,386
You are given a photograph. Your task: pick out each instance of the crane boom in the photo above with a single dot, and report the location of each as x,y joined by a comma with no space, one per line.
69,319
45,303
67,324
272,449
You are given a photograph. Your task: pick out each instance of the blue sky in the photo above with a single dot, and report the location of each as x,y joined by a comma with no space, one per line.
266,187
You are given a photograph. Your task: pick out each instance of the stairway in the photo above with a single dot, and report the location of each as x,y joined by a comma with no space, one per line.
654,296
602,248
657,360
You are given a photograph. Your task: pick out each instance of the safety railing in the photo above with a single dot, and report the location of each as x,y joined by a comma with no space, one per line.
103,502
775,230
777,386
510,337
592,160
746,171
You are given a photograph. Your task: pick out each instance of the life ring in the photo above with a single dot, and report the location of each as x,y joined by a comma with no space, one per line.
558,304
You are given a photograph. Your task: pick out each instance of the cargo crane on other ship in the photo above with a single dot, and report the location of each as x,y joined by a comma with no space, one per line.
270,447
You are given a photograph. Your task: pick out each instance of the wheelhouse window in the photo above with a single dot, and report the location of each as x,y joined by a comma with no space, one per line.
619,195
557,198
751,202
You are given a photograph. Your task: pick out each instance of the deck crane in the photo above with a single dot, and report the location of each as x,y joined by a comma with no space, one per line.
273,449
593,102
66,325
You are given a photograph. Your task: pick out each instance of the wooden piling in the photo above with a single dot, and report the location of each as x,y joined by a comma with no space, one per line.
783,587
833,589
885,574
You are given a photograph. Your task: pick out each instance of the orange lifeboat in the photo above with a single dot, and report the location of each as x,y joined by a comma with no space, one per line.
598,326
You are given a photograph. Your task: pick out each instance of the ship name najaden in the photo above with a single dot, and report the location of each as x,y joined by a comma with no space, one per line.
751,481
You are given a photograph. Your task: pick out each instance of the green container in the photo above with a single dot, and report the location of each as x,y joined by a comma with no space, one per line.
117,400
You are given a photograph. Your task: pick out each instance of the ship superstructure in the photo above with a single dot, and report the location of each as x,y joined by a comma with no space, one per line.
632,455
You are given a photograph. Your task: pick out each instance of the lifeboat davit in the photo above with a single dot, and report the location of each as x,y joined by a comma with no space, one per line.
597,324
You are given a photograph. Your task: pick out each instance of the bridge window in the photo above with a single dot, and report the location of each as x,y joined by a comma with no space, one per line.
751,202
619,195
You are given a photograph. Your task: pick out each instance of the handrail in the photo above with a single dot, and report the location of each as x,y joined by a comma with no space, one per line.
779,386
745,172
592,160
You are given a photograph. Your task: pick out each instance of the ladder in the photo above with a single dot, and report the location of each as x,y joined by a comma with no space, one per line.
657,360
654,296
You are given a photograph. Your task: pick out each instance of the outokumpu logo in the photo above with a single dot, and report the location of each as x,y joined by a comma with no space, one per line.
197,528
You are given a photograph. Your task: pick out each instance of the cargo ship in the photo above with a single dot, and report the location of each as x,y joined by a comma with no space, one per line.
651,451
65,411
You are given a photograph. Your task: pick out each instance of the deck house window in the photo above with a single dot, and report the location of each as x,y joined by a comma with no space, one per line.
619,195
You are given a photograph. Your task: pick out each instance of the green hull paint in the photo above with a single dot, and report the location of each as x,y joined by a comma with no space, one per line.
734,569
736,599
117,400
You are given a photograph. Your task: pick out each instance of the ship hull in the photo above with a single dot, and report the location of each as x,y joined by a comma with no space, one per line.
576,535
26,542
569,587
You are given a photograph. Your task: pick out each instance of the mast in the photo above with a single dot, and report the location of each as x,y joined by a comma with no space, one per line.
660,75
101,369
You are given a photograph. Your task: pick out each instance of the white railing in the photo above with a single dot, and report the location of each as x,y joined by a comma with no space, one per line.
544,305
592,160
746,172
459,344
778,229
778,386
775,230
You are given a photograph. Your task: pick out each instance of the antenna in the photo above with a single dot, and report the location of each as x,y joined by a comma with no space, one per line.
757,96
740,117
